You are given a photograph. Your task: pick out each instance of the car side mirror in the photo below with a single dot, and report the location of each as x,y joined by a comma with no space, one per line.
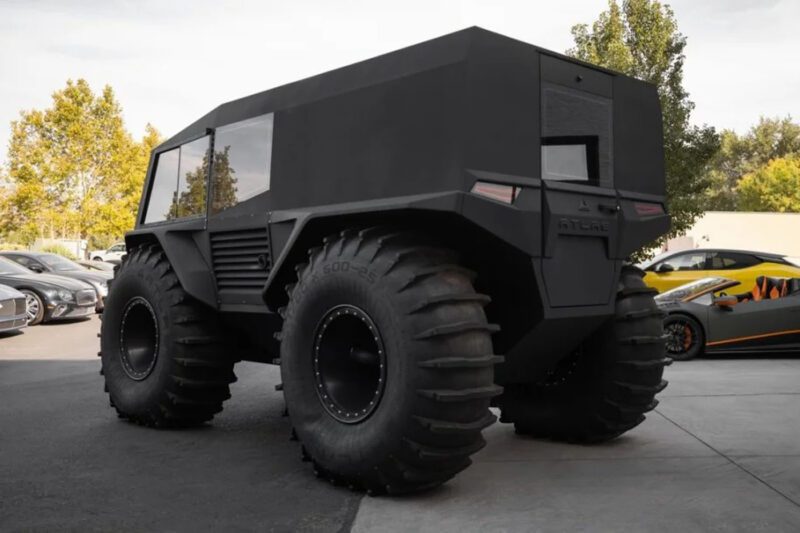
36,268
725,302
666,267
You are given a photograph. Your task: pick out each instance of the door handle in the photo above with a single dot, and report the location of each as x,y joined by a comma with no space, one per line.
609,208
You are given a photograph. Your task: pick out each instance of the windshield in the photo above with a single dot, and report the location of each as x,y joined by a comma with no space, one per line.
59,263
10,268
696,288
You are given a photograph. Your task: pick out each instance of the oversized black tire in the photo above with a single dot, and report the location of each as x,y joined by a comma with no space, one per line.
685,337
605,388
34,307
163,358
386,362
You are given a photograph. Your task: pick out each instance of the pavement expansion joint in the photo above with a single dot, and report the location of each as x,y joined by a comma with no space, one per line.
729,459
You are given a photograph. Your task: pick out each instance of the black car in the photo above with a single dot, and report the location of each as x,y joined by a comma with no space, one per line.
701,318
42,262
48,297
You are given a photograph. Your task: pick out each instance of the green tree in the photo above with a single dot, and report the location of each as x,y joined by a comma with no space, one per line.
73,169
640,38
771,138
773,187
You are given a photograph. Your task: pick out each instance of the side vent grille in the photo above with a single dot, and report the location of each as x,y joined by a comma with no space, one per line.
241,259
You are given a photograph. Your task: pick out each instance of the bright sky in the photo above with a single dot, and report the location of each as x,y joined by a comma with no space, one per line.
171,61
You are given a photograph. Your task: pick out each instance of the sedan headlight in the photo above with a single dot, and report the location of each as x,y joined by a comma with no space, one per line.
101,287
65,295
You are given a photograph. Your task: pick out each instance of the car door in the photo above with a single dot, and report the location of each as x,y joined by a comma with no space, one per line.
760,324
685,267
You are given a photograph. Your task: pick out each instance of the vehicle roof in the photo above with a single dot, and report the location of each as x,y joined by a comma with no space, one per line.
441,51
762,255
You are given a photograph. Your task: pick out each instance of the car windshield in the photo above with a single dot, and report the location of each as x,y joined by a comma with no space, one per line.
59,263
10,268
695,288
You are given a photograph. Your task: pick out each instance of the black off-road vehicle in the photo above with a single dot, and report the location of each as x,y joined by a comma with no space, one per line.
412,238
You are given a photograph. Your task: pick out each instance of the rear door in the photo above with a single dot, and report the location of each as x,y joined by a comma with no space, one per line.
580,208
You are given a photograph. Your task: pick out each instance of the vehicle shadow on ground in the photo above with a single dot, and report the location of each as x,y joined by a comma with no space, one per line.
101,472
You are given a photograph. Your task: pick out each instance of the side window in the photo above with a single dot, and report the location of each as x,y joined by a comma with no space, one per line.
178,187
242,160
687,261
163,187
117,248
732,260
191,198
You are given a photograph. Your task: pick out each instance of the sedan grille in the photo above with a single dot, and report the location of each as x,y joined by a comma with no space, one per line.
86,297
241,259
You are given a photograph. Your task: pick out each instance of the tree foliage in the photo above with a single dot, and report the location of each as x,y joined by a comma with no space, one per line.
73,170
741,155
772,187
640,38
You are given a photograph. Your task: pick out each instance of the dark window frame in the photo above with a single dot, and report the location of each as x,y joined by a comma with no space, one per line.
152,177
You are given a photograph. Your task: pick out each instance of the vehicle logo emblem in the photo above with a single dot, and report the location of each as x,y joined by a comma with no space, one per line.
583,206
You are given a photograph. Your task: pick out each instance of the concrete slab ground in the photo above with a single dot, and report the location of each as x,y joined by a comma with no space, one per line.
721,453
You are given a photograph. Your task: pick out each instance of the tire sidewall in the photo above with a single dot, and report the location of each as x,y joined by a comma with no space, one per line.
697,331
39,318
329,283
129,395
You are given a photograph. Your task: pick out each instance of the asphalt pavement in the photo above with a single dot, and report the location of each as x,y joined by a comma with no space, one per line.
721,453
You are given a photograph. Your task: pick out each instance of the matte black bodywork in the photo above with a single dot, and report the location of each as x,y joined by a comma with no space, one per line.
769,325
400,140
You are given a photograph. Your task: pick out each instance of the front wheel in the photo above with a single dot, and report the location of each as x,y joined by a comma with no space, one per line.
34,307
163,357
386,360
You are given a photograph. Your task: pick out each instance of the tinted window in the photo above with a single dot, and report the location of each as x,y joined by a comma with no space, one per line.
179,184
162,189
569,158
242,158
192,179
688,261
731,260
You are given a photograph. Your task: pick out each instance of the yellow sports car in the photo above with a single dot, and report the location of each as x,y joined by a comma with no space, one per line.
673,269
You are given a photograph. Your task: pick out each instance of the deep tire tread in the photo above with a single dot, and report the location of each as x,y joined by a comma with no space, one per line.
445,426
198,375
612,384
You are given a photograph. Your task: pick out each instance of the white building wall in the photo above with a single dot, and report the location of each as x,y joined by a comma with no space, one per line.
762,232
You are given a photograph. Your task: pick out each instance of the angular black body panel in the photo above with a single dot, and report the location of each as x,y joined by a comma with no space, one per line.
402,140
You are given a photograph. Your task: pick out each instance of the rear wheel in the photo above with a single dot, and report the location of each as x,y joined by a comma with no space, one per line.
605,388
387,364
685,337
163,358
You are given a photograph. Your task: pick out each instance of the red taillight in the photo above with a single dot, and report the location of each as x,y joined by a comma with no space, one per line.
648,210
496,191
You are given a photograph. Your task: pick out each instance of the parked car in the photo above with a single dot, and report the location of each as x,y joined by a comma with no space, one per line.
47,296
56,264
115,252
13,310
674,269
702,318
98,266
